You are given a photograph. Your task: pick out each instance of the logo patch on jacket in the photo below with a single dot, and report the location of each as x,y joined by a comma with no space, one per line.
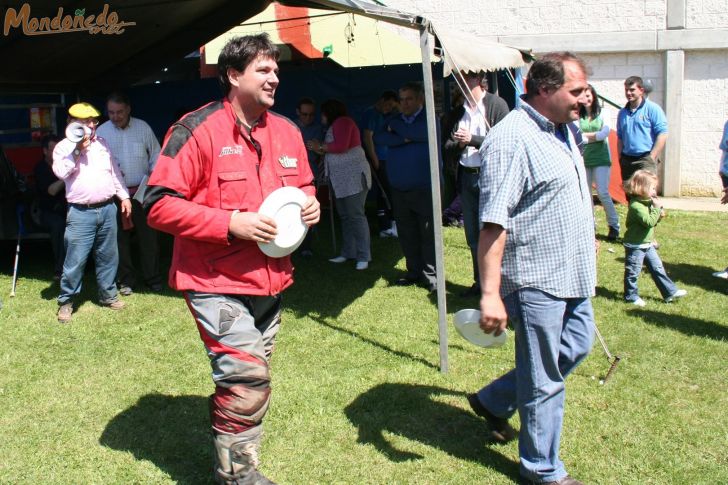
234,150
288,162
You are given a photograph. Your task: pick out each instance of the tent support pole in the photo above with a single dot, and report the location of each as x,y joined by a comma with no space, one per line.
432,140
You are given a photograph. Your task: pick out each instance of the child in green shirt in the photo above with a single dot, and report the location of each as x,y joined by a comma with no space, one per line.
643,215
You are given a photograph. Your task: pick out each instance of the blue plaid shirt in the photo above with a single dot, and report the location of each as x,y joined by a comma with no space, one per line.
533,184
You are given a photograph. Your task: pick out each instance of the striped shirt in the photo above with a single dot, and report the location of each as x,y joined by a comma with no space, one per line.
533,184
135,148
93,177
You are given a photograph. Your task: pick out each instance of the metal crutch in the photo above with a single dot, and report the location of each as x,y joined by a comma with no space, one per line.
613,359
21,229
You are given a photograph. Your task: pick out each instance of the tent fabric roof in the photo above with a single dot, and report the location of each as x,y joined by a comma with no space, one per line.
459,54
167,30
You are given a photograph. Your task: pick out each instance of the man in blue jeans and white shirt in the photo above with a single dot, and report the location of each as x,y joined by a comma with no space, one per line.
537,262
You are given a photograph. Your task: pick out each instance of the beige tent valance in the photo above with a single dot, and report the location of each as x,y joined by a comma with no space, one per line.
464,51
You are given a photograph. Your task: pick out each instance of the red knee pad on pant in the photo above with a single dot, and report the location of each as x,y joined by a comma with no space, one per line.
238,408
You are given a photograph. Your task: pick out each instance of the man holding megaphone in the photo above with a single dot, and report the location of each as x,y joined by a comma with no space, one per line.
92,178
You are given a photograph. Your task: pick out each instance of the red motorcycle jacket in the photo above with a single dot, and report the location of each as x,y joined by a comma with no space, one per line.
209,167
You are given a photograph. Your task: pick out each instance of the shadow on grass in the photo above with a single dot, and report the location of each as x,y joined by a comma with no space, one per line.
699,276
36,262
374,343
170,431
329,288
412,411
603,292
686,325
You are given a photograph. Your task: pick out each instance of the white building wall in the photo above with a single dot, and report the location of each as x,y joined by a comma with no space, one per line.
706,14
515,17
638,34
705,112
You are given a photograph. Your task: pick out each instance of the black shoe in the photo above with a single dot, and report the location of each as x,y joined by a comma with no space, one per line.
613,234
500,430
156,287
405,282
471,292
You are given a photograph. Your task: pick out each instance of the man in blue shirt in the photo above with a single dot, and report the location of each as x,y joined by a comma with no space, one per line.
373,120
408,170
310,130
536,261
641,130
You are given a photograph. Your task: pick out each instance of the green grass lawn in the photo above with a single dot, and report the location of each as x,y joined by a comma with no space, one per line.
120,397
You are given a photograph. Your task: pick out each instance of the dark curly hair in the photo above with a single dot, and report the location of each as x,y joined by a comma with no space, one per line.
332,109
239,52
548,71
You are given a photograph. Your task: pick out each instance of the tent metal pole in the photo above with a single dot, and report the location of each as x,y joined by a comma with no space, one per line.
432,141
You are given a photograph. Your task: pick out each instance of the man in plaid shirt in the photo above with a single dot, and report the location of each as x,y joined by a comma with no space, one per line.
135,147
537,262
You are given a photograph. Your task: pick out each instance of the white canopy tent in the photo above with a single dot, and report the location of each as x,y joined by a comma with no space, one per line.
458,54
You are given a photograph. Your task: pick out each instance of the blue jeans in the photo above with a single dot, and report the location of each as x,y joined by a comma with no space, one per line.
553,335
601,175
470,200
90,230
633,259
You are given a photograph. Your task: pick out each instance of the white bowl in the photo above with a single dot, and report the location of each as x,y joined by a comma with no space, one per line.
467,323
284,206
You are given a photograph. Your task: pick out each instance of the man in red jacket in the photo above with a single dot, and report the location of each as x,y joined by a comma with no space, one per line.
216,166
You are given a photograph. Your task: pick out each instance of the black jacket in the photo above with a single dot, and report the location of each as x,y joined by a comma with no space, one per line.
495,110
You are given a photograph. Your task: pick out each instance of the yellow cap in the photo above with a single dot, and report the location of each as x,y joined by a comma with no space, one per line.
83,110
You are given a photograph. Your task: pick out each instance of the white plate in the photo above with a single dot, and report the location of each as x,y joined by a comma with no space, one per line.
284,206
467,323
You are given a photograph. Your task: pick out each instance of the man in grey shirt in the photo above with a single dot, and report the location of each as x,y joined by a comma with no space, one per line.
537,262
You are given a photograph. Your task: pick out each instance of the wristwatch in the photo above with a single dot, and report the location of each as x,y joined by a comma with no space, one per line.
77,152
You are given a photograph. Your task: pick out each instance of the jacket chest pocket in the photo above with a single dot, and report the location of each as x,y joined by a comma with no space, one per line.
233,188
287,175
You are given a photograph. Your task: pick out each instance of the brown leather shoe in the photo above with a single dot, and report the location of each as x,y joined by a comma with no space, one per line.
567,480
65,312
500,430
115,305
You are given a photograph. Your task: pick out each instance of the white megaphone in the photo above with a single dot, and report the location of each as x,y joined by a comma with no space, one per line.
76,131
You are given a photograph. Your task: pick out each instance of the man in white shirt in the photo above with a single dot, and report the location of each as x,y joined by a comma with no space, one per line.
478,114
135,148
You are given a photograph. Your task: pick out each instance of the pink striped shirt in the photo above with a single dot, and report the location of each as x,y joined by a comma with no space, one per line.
94,177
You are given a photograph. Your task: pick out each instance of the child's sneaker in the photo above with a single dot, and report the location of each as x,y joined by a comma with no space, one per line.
721,274
639,302
677,294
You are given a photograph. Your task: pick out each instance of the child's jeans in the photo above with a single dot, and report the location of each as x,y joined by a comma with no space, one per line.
633,267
